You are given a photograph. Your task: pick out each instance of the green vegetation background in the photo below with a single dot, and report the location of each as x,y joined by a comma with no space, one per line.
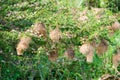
18,15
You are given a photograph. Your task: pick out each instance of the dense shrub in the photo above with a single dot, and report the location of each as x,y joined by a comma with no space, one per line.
17,16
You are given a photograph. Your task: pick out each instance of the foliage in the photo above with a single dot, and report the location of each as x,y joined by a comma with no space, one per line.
16,16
